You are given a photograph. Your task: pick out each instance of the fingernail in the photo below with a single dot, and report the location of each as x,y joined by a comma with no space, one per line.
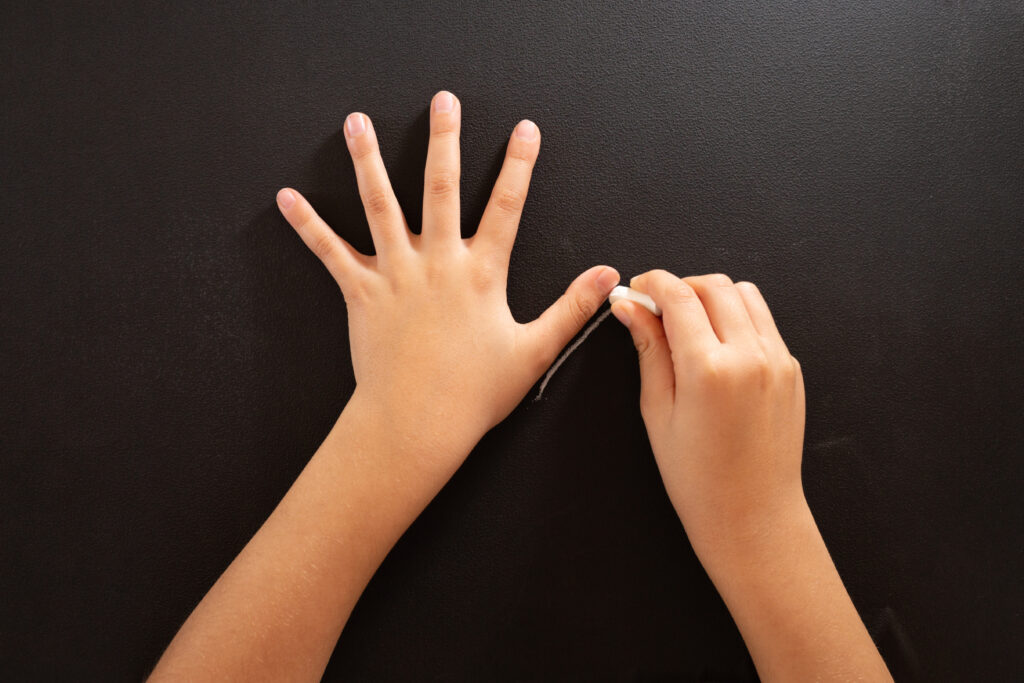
286,198
607,279
355,125
526,129
619,311
444,102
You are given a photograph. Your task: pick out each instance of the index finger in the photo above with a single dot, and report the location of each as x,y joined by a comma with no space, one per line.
500,221
687,326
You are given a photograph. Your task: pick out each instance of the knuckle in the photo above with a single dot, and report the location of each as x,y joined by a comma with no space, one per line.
732,371
719,280
509,200
680,292
644,347
580,309
758,371
648,347
442,184
752,366
749,286
483,275
402,280
435,270
707,370
444,128
525,153
324,246
363,152
759,366
785,369
376,201
657,275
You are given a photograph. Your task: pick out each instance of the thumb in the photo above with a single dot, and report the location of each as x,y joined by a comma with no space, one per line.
657,376
570,312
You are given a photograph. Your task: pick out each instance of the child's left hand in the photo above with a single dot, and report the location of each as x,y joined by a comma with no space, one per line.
434,345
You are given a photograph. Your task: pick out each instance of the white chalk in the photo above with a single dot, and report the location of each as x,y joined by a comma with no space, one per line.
636,297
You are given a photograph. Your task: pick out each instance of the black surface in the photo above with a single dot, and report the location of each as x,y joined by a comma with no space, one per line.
172,355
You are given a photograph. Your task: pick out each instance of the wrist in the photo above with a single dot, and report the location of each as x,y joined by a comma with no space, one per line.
783,591
407,441
726,531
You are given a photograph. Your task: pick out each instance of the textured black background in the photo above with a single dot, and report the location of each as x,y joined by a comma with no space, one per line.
172,354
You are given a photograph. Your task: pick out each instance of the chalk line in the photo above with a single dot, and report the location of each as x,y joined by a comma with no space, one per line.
568,351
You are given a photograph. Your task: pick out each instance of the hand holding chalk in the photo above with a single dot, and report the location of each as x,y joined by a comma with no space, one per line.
619,293
723,403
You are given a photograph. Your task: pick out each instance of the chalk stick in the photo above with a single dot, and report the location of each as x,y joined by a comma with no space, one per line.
636,297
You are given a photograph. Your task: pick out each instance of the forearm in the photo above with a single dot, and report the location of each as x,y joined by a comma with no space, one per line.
784,592
277,611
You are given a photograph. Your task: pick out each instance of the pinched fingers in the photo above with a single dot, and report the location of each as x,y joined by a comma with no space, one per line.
759,313
687,327
657,373
725,308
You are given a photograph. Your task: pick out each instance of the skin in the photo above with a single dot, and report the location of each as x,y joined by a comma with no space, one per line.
439,360
723,402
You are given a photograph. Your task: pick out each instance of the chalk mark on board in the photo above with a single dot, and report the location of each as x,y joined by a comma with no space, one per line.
568,351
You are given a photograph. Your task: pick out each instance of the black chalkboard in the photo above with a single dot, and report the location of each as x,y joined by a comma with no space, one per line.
172,354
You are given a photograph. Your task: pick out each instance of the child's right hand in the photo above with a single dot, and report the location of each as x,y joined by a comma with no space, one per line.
724,406
723,401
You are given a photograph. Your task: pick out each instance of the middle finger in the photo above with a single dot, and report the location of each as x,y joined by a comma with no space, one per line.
441,217
726,311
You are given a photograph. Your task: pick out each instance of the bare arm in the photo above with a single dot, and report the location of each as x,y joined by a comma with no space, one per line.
723,401
278,609
789,603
